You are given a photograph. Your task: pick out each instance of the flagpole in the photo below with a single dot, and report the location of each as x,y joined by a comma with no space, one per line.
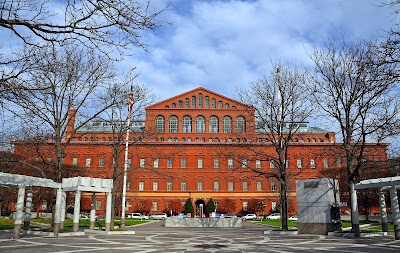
122,223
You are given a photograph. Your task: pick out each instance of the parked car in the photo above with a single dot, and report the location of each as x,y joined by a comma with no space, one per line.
138,216
293,217
273,216
249,216
228,215
158,216
83,216
181,215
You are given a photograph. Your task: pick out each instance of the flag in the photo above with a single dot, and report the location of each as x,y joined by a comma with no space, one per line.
130,101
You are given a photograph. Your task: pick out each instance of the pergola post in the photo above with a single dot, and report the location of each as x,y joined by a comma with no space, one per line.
395,212
382,205
93,212
63,207
28,209
57,213
354,212
77,208
19,212
108,212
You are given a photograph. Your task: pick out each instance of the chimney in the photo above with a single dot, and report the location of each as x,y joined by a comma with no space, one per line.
70,123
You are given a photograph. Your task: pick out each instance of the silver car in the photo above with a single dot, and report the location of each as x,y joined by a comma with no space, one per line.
158,216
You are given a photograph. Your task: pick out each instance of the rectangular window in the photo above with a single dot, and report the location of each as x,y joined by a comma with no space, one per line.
216,186
312,163
230,186
141,164
258,164
169,186
273,206
183,186
299,164
245,186
326,163
273,187
339,163
101,162
141,186
216,163
155,186
199,186
75,161
129,161
98,205
244,163
245,205
259,186
199,163
230,163
169,163
155,206
183,163
128,186
272,164
87,162
155,163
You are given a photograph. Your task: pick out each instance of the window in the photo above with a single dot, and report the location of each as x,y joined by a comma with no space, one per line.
226,106
273,206
244,163
227,124
87,162
219,104
129,162
245,186
141,163
200,100
245,205
141,186
199,186
186,102
230,186
155,163
312,163
240,125
155,207
183,186
169,163
160,122
207,105
74,161
272,164
216,186
213,103
258,164
326,163
183,163
213,124
128,186
216,163
187,124
299,164
200,124
169,186
230,163
259,186
193,102
155,186
173,105
273,186
173,124
339,163
180,104
98,205
199,163
101,162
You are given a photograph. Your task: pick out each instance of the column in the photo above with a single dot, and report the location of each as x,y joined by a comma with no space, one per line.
108,212
28,209
395,212
93,212
19,212
63,209
77,210
382,205
354,211
57,213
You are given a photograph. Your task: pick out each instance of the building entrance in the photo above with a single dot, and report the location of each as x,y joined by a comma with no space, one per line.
200,207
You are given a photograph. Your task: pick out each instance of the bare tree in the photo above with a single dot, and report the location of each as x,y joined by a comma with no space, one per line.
354,85
280,107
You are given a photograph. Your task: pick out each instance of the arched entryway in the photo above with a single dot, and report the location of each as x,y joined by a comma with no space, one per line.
200,207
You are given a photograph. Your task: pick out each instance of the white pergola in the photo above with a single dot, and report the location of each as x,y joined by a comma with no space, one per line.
76,184
390,184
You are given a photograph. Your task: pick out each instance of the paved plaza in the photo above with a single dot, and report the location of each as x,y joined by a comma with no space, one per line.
154,237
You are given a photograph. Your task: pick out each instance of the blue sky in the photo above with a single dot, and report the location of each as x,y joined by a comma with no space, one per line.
225,44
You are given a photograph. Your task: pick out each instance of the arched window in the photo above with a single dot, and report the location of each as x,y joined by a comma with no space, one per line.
180,104
186,102
213,103
173,124
193,101
207,102
213,124
187,124
160,123
173,105
227,124
200,100
240,125
220,104
200,124
226,106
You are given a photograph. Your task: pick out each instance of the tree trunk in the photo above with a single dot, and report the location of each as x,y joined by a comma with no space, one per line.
284,208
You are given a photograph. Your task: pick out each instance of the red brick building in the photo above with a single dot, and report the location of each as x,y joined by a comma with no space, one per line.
203,145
